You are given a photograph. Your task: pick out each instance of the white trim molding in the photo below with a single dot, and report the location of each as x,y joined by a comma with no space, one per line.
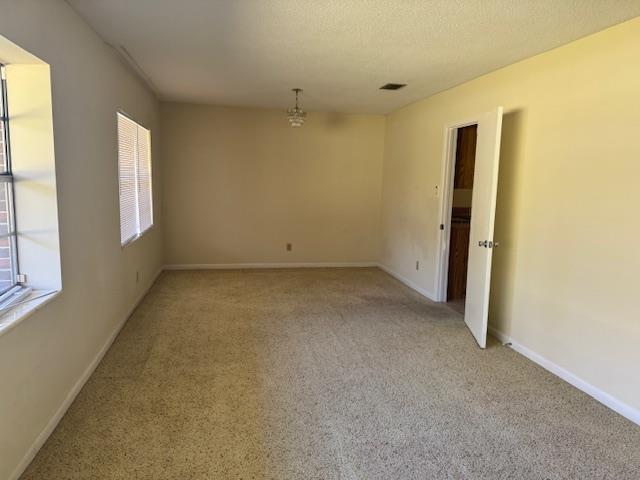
605,398
446,202
73,393
240,266
409,283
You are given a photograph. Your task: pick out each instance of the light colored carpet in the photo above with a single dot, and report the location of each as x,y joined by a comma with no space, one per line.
323,374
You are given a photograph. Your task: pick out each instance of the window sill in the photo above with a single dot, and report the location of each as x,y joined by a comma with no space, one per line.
32,303
136,237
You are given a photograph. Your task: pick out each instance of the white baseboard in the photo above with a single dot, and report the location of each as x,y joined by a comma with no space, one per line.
73,393
412,285
502,338
239,266
605,398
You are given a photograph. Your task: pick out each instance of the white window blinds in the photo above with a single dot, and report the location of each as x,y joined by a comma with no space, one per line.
134,171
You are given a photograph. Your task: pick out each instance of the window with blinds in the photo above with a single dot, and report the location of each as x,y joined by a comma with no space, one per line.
8,235
134,171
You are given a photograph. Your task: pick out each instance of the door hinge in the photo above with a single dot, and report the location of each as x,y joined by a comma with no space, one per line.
442,226
488,244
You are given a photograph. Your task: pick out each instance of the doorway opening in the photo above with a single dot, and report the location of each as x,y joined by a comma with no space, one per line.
465,247
460,216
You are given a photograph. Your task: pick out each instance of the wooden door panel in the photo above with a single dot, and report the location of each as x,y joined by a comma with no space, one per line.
465,156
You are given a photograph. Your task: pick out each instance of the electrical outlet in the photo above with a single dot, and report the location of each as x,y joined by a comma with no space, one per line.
417,265
289,246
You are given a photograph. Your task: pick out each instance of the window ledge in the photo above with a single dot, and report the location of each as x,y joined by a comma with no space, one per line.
136,237
28,306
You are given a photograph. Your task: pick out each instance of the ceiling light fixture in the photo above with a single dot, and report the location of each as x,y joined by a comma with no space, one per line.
393,86
296,115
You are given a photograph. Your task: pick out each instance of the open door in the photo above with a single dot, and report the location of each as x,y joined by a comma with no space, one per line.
483,207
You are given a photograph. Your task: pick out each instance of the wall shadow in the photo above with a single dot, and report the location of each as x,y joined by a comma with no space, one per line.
504,271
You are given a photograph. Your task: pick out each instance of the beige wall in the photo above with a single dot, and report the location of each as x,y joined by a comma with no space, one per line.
42,358
239,184
565,279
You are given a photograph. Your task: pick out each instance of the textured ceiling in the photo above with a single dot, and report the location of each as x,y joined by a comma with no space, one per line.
252,52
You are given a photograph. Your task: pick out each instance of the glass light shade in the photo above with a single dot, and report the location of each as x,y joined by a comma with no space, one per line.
296,117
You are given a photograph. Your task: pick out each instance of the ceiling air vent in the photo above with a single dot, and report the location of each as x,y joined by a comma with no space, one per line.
393,86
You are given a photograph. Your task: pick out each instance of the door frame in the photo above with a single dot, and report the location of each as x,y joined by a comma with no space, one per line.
446,202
